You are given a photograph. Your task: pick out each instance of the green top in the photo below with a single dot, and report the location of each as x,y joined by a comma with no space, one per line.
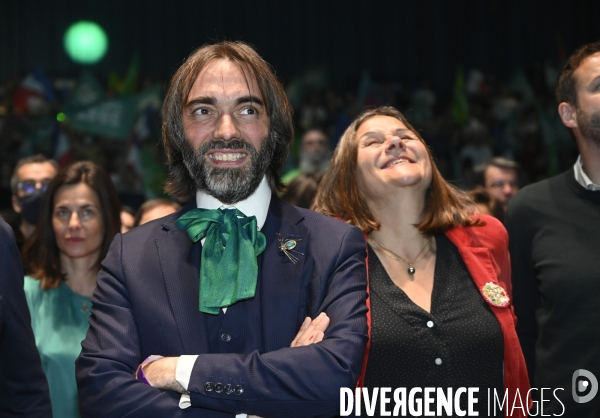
59,318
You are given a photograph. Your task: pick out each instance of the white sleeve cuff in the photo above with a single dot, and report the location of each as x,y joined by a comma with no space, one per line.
185,401
183,374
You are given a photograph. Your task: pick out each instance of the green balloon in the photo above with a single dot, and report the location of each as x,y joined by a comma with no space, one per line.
85,42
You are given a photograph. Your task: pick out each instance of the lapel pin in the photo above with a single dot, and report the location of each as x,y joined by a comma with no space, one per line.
495,295
287,245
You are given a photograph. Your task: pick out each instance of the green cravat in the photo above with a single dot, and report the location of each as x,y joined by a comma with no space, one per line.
229,267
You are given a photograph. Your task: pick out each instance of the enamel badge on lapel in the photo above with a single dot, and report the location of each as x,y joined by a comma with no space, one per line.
287,245
495,295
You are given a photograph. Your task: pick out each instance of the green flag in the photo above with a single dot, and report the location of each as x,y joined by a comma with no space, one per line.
115,117
151,97
87,92
130,80
111,117
460,104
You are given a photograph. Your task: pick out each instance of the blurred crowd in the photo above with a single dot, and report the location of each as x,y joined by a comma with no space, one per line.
115,122
81,159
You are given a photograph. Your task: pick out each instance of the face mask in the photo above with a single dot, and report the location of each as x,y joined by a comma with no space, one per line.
30,206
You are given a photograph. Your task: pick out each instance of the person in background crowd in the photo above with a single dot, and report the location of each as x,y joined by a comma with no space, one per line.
221,287
78,220
154,209
439,274
28,184
482,200
127,218
485,204
554,233
500,178
302,190
315,154
23,385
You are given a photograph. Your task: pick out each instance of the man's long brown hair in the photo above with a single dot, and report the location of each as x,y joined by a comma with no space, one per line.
179,184
40,253
339,196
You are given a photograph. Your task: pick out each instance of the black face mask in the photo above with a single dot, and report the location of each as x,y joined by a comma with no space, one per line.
30,206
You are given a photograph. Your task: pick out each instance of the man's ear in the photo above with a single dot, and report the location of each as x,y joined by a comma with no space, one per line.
15,204
568,115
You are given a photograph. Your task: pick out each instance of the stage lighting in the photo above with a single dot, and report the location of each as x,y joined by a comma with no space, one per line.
85,42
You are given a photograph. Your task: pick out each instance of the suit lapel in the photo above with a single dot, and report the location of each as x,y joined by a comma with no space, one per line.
279,284
280,278
180,262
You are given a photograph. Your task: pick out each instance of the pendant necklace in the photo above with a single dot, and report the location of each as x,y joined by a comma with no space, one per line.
85,307
411,270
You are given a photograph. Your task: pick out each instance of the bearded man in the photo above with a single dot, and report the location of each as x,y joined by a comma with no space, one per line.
315,155
196,314
554,229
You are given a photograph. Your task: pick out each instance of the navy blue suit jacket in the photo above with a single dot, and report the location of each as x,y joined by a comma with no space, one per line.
146,302
23,385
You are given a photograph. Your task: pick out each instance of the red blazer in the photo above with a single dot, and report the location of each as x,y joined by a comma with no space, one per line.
484,249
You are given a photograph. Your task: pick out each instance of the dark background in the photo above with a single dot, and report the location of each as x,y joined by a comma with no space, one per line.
403,39
335,58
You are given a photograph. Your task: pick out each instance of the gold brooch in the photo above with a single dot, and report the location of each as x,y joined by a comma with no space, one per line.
287,245
495,295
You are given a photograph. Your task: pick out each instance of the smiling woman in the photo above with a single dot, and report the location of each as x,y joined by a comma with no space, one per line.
388,150
80,215
432,265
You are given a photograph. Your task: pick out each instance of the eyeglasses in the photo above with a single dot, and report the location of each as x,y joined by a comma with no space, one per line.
30,186
499,184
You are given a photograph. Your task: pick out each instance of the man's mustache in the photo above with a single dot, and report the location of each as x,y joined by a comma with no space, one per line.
233,144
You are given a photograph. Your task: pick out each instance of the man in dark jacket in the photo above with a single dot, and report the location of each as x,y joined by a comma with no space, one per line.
23,385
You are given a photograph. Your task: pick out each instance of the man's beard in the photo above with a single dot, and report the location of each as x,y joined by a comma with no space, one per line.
314,161
227,184
589,126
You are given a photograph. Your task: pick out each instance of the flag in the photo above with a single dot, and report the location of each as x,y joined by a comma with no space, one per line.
128,86
62,151
111,117
86,93
33,93
460,104
150,98
141,156
115,117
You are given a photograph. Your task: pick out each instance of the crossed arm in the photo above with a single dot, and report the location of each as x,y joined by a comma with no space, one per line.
132,319
161,373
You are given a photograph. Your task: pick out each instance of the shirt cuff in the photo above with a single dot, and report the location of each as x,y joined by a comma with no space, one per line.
183,374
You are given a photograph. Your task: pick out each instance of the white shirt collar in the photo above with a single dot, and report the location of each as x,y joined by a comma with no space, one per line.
582,178
255,205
